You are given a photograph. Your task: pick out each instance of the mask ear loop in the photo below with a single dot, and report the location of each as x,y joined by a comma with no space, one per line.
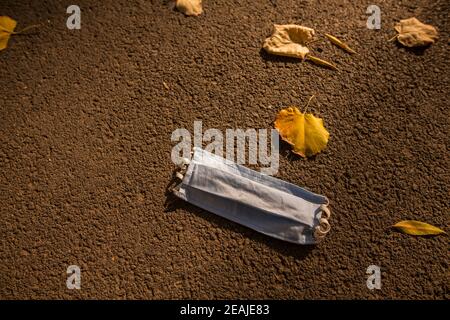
324,226
182,168
180,171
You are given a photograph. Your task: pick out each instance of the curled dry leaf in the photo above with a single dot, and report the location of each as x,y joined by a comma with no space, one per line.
189,7
289,40
417,228
7,26
413,33
303,131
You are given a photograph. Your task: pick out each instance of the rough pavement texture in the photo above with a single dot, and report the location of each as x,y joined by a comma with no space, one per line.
85,127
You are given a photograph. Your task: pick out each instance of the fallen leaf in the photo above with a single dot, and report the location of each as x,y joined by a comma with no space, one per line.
417,228
413,33
189,7
289,40
321,62
7,26
303,131
339,43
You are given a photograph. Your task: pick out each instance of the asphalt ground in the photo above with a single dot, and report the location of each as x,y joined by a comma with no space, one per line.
86,118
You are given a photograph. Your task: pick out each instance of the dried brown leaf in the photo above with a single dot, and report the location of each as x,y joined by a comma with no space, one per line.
189,7
289,40
413,33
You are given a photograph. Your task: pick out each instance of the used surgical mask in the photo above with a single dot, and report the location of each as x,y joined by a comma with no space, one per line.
263,203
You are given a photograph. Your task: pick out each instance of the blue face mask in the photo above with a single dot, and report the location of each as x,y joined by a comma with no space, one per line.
263,203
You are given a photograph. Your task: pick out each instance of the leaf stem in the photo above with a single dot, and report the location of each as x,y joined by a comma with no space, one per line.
393,38
312,97
27,28
21,31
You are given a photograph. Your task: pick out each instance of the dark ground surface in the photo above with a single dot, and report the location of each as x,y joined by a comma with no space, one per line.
85,126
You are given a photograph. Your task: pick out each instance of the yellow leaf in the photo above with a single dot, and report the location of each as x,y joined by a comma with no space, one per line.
189,7
413,33
7,26
303,131
339,43
417,228
289,40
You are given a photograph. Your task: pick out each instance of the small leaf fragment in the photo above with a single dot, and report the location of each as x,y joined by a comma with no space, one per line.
289,40
303,131
7,26
189,7
413,33
417,228
339,43
321,62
